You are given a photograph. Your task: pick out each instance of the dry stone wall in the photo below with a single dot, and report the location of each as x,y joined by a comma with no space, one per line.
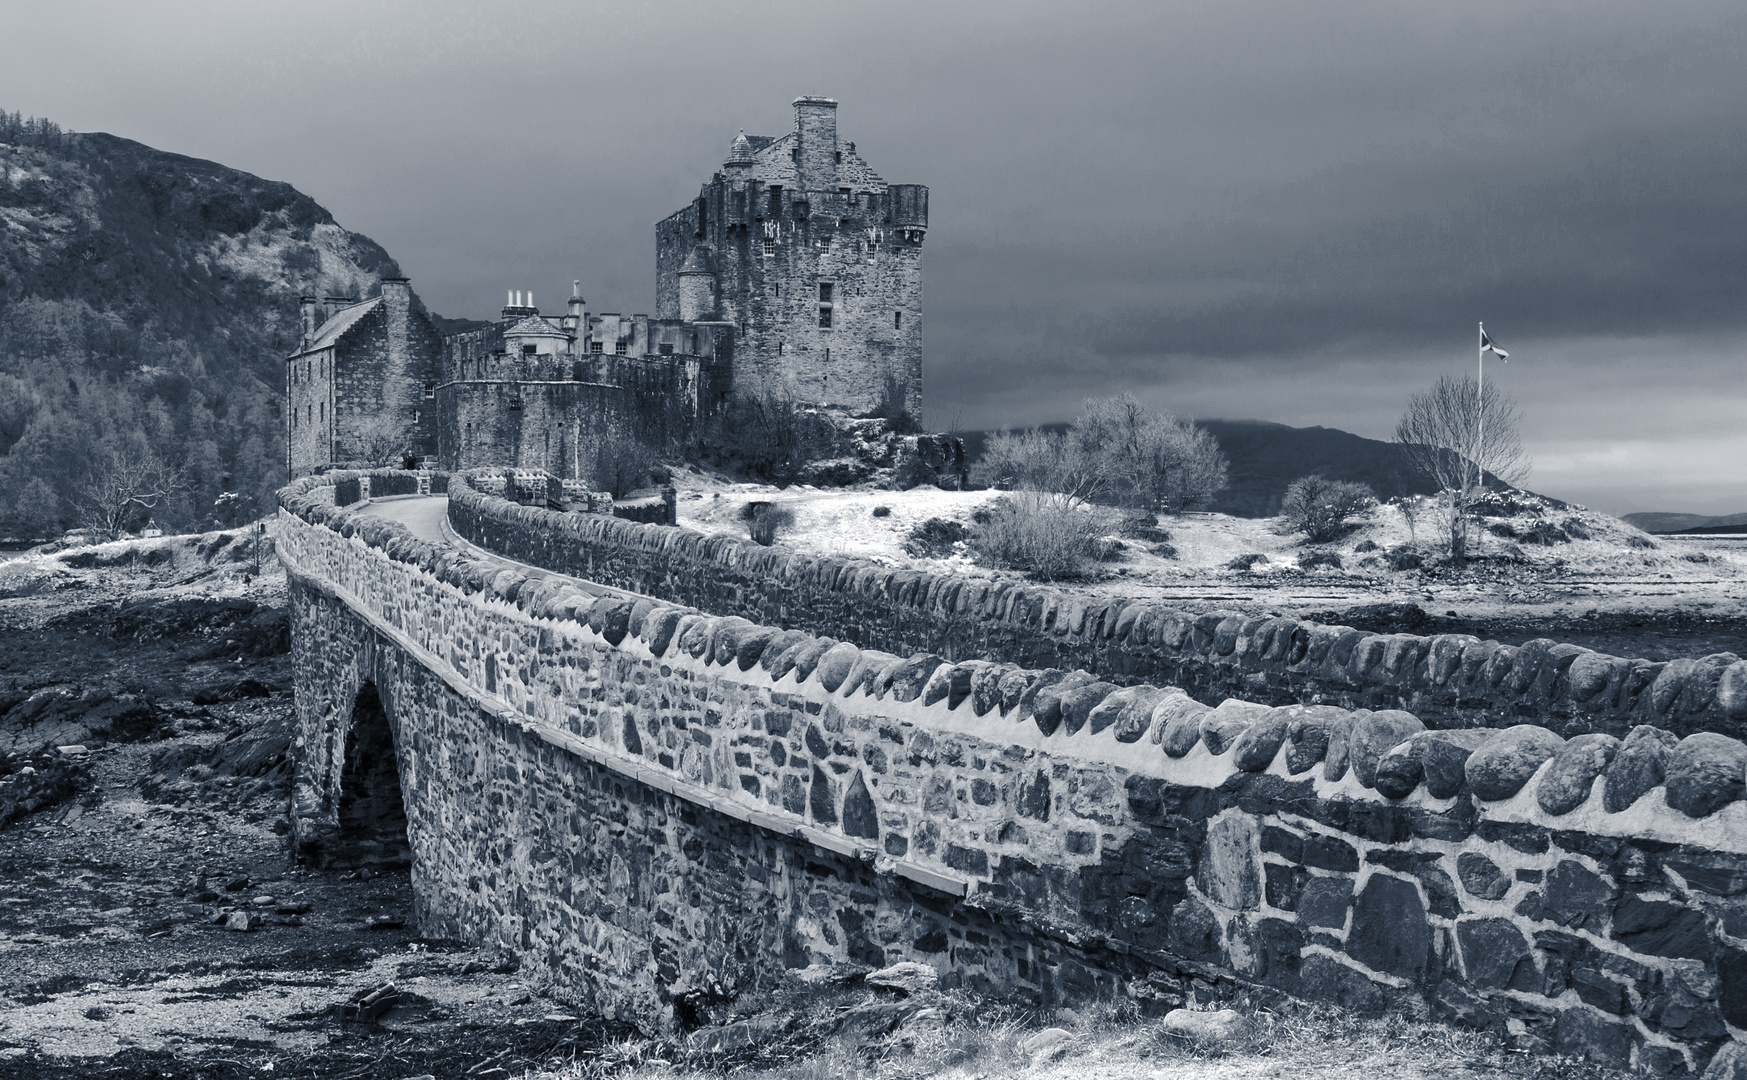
644,800
1448,680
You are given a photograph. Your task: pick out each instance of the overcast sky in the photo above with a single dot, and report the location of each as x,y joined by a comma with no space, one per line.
1283,211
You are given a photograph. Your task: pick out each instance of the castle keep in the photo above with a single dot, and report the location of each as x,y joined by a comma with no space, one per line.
797,270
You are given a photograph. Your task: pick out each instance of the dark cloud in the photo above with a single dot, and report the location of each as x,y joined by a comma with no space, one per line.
1280,210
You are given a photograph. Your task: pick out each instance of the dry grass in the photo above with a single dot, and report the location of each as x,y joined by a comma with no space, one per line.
953,1038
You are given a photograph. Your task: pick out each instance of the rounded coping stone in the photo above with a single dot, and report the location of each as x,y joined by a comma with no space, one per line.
1043,702
724,640
1129,711
779,653
1376,735
880,682
1432,758
835,665
1706,772
1177,723
911,676
1256,748
694,637
1077,704
1640,763
1308,732
658,628
1570,779
752,644
986,688
808,654
1338,758
1015,683
1732,691
868,663
1505,762
1223,726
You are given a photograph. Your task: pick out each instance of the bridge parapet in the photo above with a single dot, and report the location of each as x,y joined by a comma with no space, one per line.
641,797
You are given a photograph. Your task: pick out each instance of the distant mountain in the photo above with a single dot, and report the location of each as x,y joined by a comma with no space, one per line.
1266,457
146,302
1674,523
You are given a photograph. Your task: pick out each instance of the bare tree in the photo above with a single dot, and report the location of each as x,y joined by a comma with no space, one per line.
1320,507
1149,459
382,440
121,489
1461,440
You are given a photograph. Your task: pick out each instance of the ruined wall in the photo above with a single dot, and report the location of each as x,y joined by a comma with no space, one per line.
1450,680
638,797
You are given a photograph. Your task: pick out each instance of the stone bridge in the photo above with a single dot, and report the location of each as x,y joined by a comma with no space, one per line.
654,805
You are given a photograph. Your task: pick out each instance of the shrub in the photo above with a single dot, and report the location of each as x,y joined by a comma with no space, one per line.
934,538
1642,543
1164,551
1310,560
1247,562
759,433
1403,558
1042,534
1365,545
1696,557
1320,507
1575,528
1544,533
882,511
765,520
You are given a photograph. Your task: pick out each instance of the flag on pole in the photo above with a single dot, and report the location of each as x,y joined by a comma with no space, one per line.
1486,345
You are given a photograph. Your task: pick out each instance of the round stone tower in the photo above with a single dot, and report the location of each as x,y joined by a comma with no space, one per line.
697,287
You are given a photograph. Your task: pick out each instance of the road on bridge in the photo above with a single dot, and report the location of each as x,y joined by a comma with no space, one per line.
427,518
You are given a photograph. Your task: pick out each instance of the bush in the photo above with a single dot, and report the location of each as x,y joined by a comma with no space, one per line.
1164,551
759,433
1247,562
1642,543
1575,529
1696,557
1042,534
1365,545
882,511
1403,558
1310,560
1544,533
765,520
1320,507
1500,529
934,538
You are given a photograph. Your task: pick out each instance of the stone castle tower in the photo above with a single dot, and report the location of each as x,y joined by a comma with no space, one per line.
815,260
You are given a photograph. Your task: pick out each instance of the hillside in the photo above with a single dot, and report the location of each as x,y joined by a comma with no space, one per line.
1652,522
146,302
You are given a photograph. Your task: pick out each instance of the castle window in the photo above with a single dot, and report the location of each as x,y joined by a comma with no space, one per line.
621,348
769,247
839,157
530,350
430,391
596,346
776,201
824,243
897,320
324,412
695,342
825,318
824,292
515,404
667,348
776,291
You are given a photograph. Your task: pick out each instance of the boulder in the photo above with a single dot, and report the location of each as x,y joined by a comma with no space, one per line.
1639,764
1177,723
1706,772
1376,735
907,977
1506,761
1208,1029
1046,1043
1570,778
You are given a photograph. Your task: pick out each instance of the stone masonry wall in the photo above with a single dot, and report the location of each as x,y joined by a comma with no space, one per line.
1448,680
641,798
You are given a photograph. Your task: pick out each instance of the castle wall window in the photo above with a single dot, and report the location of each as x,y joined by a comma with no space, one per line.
825,318
620,348
897,320
667,348
825,292
769,247
530,350
430,391
596,346
776,200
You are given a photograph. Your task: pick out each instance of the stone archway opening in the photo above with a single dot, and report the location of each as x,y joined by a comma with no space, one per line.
372,817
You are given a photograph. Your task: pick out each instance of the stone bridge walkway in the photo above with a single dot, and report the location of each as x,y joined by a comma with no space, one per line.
427,517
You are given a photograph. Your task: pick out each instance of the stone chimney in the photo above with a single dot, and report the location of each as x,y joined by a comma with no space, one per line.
816,133
309,315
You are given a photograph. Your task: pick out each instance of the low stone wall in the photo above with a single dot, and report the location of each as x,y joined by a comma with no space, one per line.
1449,680
643,800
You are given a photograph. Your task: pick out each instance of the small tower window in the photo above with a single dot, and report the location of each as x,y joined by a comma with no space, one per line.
667,348
769,247
596,347
897,320
824,292
825,318
776,201
839,157
621,348
430,391
776,291
530,350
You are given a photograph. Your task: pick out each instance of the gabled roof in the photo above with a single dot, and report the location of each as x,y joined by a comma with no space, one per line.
342,321
534,326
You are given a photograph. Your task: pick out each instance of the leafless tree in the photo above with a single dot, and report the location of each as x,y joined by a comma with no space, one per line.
382,440
1148,459
1462,441
120,489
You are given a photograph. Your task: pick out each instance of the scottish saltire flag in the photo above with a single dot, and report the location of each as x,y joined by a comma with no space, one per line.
1486,344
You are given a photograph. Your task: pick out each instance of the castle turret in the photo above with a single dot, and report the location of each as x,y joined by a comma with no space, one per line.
740,159
697,288
816,133
576,310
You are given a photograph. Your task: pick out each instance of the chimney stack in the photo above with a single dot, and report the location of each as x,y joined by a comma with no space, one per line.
308,308
816,131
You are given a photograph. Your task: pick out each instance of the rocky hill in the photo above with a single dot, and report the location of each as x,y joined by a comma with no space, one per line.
146,301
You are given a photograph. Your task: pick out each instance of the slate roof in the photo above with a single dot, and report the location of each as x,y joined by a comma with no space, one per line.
342,321
534,326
